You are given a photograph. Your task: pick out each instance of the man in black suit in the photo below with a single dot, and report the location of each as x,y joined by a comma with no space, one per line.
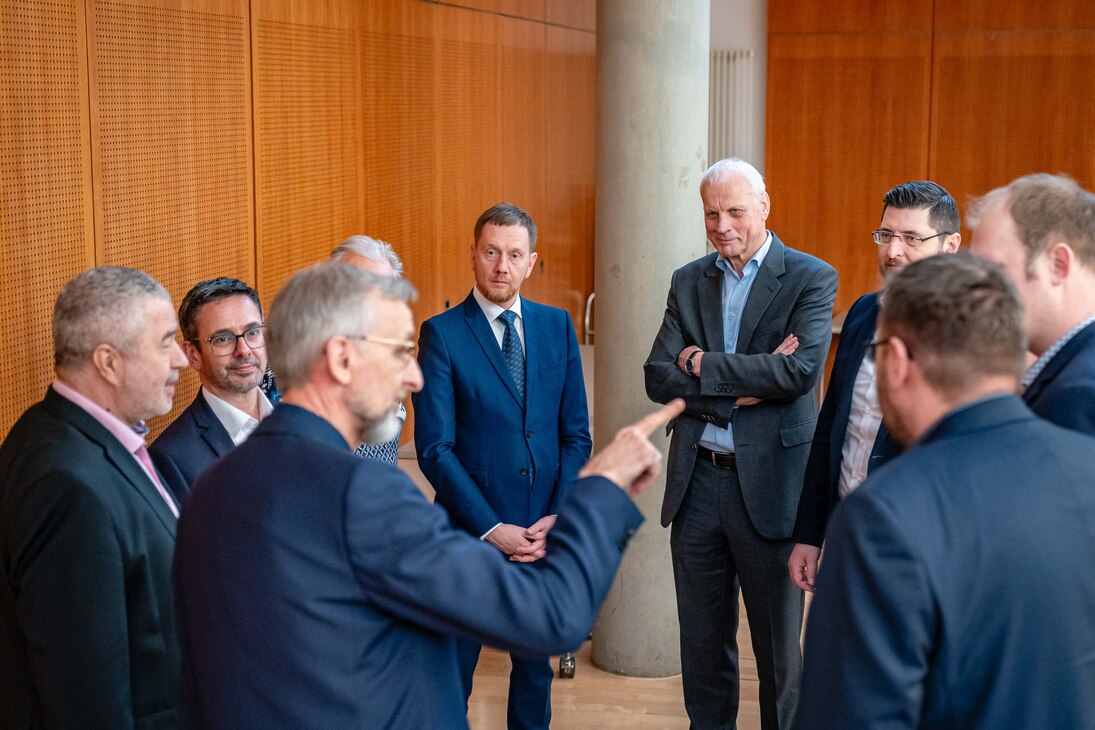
335,602
224,341
1041,230
87,529
955,590
919,219
736,463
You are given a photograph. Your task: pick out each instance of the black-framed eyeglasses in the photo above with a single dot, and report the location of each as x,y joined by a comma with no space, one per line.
224,343
883,238
874,345
405,350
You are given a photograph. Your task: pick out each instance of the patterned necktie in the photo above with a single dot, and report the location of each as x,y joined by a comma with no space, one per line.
512,352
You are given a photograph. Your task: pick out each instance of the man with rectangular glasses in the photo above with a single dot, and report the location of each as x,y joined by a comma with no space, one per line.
224,341
919,219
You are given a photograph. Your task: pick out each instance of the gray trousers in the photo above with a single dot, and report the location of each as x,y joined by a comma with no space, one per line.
715,549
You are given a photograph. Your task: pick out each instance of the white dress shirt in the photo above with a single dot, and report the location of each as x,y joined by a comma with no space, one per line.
238,424
864,420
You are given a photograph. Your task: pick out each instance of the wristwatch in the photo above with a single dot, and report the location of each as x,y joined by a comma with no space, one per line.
688,362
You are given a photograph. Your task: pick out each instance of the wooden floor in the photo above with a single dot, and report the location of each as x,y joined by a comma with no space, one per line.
595,699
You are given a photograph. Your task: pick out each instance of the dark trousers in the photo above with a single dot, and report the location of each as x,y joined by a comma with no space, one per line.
715,549
530,678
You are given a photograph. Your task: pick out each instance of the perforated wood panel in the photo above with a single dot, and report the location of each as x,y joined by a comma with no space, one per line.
308,140
846,121
401,156
1011,103
172,149
45,177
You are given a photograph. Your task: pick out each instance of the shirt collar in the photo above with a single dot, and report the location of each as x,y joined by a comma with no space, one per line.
233,419
492,310
129,439
1039,365
754,263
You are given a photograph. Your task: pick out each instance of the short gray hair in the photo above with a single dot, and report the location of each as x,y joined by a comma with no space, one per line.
960,317
734,167
318,303
101,306
372,249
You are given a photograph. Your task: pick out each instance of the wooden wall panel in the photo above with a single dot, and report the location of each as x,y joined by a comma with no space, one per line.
172,150
308,135
566,225
865,17
576,14
400,123
46,221
1008,104
847,120
468,140
994,15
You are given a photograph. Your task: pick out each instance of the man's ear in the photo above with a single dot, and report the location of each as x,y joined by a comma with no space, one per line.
338,356
193,355
108,363
897,362
1060,258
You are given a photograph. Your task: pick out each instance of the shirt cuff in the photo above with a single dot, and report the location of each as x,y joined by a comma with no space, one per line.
488,532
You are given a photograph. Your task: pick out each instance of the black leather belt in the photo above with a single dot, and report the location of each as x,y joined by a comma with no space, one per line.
719,459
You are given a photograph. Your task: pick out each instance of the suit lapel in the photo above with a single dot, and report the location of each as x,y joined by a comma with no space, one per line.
1082,340
764,289
212,430
709,293
119,458
484,335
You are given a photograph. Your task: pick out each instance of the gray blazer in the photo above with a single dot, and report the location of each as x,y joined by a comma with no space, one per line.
793,294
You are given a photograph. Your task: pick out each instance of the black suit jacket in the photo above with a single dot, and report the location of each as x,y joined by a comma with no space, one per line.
1064,392
793,293
957,589
87,623
333,602
189,446
821,486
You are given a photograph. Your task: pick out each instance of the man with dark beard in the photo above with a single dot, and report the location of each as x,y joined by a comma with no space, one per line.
501,425
223,338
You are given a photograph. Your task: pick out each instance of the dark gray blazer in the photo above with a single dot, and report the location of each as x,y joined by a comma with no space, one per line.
793,294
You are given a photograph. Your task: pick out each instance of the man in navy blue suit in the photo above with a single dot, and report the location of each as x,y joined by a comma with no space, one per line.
954,591
1041,230
501,423
919,219
223,338
316,589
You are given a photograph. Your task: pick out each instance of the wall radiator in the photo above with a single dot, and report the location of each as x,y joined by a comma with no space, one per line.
730,128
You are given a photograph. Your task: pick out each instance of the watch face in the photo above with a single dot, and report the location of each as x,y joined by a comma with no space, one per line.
688,364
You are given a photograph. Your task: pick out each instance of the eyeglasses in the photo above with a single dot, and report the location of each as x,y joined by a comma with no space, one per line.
404,349
224,343
874,345
884,237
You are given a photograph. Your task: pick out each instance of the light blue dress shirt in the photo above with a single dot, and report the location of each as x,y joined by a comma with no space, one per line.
735,292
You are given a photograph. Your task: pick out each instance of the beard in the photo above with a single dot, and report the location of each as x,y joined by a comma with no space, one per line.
382,431
496,297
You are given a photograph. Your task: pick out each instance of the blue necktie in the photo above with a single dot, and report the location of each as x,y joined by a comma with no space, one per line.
512,352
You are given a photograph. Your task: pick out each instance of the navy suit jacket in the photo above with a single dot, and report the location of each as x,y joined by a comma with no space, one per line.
1064,392
332,602
189,446
490,457
821,485
957,589
793,293
87,621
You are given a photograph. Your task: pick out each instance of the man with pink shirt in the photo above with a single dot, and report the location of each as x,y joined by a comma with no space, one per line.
87,529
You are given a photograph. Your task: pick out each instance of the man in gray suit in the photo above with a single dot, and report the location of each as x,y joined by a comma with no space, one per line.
739,450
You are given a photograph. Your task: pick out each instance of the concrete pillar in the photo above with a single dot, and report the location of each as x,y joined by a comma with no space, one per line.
652,87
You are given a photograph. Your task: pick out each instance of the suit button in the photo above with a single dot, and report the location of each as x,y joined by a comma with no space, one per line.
693,447
528,434
524,472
